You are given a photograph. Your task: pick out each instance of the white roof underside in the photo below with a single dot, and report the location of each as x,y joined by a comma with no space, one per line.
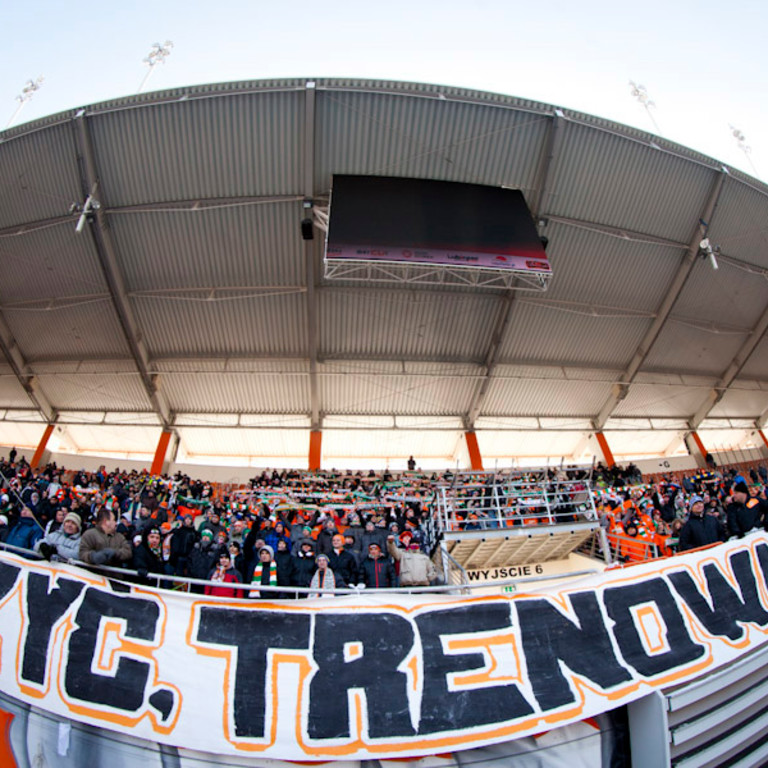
191,301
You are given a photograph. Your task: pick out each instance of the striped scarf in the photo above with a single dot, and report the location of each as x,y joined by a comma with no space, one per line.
257,578
328,582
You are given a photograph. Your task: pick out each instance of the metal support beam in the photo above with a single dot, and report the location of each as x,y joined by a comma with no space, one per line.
28,381
621,389
107,256
491,355
546,162
309,257
733,370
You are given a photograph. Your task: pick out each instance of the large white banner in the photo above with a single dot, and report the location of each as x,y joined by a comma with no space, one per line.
375,676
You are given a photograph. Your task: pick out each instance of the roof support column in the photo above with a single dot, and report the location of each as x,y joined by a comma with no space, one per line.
315,449
309,260
160,452
605,449
696,449
40,450
475,459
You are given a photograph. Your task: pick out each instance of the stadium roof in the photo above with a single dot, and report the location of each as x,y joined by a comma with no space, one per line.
190,301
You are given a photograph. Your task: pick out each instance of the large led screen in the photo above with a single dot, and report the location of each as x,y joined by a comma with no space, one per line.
432,222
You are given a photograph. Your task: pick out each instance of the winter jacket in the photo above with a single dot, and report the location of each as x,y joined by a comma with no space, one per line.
416,569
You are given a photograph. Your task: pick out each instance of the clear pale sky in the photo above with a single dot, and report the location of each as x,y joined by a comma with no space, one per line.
703,63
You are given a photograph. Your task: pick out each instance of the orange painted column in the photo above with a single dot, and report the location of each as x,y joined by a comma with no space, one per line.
475,459
162,449
315,445
605,449
38,457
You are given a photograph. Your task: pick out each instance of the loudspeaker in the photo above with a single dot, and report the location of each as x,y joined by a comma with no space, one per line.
307,231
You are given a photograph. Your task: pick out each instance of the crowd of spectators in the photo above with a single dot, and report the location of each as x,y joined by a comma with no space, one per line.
325,530
678,514
315,531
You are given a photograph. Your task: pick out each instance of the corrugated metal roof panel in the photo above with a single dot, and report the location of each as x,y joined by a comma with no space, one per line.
12,394
404,323
270,325
727,296
236,393
681,346
248,245
603,177
738,402
93,392
31,190
231,365
738,225
89,329
239,146
658,400
562,335
757,365
586,264
49,263
401,135
544,398
408,395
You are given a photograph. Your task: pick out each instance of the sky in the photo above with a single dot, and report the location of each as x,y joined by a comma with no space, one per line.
702,63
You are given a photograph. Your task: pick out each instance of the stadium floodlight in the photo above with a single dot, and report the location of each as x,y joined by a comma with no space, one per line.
741,141
157,55
640,93
27,92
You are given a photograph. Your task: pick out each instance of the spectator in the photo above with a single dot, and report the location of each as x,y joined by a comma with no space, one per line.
700,529
376,571
741,519
284,563
223,573
416,569
102,544
265,573
148,556
323,579
26,532
342,563
183,542
303,566
64,542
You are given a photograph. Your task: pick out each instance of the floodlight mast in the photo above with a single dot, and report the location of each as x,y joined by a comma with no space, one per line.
741,141
27,92
640,93
157,55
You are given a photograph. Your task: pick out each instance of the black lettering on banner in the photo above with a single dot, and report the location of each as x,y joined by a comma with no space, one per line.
8,575
44,609
125,690
252,633
618,603
728,607
385,639
761,550
549,638
444,710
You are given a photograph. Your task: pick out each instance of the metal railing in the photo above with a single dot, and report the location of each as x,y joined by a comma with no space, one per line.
470,502
171,582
